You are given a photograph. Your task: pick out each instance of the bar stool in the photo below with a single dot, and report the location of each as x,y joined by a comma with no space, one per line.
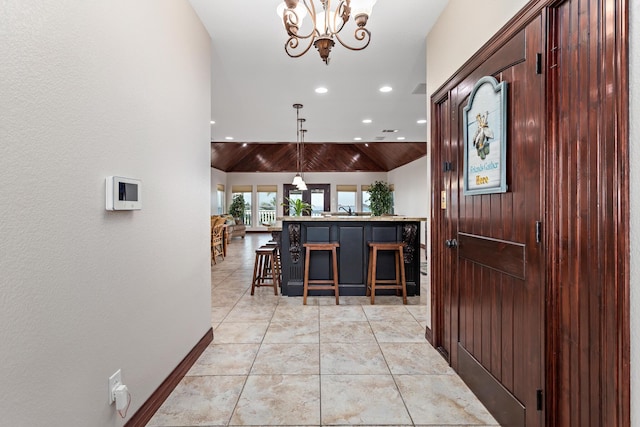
331,284
399,283
266,269
277,260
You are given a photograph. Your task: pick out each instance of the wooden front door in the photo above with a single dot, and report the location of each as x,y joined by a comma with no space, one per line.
490,246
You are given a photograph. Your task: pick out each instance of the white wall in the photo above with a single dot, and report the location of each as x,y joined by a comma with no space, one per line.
411,195
474,25
411,192
634,160
91,89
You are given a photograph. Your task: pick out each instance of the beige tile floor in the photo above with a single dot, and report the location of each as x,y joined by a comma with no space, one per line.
275,362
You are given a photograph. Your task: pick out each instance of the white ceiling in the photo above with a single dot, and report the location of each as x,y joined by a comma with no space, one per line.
254,82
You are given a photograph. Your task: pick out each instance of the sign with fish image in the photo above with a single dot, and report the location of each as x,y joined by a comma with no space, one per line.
485,138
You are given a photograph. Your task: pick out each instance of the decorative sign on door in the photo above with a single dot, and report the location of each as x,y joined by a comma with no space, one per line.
485,137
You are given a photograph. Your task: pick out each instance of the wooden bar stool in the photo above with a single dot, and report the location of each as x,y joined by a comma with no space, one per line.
331,284
277,261
266,269
373,282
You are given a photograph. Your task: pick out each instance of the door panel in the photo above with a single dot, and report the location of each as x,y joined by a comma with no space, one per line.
494,276
589,193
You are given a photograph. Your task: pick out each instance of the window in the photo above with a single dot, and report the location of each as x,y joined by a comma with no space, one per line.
267,204
365,199
293,195
247,193
393,199
317,201
221,209
347,197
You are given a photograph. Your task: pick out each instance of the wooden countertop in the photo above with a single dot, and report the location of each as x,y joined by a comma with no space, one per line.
277,226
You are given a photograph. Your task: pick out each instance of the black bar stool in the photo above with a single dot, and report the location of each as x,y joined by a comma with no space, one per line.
266,269
399,283
331,284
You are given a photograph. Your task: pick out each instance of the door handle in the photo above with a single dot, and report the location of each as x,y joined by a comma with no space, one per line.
451,243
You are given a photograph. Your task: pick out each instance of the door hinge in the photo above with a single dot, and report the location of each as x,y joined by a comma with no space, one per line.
539,400
538,63
447,166
538,231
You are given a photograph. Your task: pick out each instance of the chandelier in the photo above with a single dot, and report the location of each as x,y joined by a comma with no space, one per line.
298,181
326,24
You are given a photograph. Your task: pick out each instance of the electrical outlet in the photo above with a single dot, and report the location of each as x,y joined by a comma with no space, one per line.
114,381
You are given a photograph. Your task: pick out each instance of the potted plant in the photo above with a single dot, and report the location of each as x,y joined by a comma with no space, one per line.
297,207
380,198
236,210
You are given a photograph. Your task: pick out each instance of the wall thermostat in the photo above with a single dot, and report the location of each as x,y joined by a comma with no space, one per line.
123,194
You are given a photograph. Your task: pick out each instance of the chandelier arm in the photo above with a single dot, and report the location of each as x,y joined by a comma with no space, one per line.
311,11
359,34
292,43
343,12
291,24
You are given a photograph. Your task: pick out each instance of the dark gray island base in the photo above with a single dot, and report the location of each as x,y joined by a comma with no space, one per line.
353,234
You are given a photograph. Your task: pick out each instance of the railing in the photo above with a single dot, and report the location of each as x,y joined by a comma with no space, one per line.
247,218
266,216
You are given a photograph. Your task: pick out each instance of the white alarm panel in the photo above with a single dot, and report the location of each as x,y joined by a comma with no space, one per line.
123,194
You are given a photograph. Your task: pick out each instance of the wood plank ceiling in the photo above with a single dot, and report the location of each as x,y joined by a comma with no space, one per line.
327,157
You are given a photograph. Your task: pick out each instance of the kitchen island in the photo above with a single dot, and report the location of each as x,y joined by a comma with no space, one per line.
353,233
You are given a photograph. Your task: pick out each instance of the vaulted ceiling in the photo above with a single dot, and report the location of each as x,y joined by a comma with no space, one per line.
328,157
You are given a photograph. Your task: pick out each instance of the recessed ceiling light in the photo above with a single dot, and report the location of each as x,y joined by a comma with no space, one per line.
366,145
228,138
357,138
422,121
367,121
212,122
244,144
322,90
400,138
386,89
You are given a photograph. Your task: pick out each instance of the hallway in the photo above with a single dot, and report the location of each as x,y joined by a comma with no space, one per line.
274,361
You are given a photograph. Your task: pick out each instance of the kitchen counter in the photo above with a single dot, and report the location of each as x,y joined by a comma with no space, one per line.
352,218
353,233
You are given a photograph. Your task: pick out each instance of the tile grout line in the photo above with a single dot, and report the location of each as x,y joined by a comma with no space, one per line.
391,373
319,369
235,406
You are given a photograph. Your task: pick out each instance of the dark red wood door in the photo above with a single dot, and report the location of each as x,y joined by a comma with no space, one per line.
491,244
